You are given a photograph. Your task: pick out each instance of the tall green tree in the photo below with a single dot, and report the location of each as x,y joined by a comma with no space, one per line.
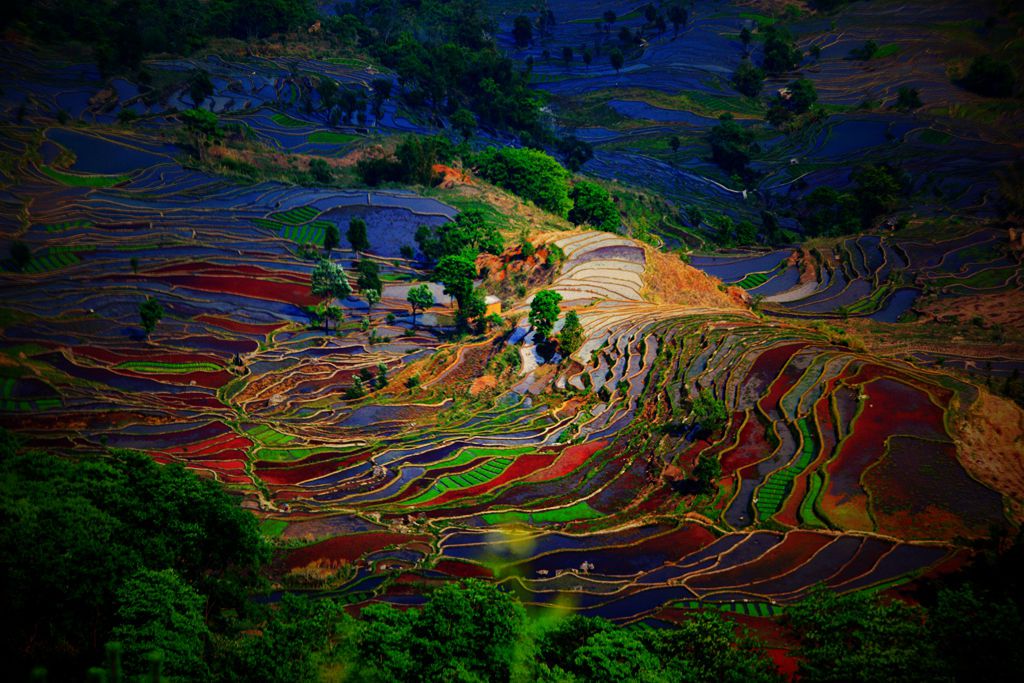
356,234
544,311
457,273
369,276
328,282
529,173
158,610
419,297
571,338
332,238
150,312
593,205
617,59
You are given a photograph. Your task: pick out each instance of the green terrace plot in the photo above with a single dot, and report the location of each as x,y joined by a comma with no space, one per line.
870,303
478,475
296,216
755,280
327,137
54,258
161,368
753,609
67,225
287,121
290,454
273,527
468,455
990,278
9,403
312,233
82,180
268,435
808,516
577,511
771,494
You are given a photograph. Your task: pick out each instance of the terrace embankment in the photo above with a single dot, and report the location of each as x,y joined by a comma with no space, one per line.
991,441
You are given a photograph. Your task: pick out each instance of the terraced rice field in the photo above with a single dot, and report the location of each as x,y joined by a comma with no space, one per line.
570,482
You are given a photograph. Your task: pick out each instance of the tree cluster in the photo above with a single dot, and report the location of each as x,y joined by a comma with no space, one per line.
830,212
529,173
116,546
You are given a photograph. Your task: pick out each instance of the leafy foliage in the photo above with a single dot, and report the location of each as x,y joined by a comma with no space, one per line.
356,234
856,638
593,205
419,297
529,173
150,312
748,79
709,412
544,311
780,54
990,76
75,563
731,145
470,234
571,338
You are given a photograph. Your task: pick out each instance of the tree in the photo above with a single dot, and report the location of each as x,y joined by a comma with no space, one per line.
320,171
21,255
150,312
857,637
470,234
372,299
419,297
674,143
709,412
328,282
199,87
609,17
369,275
746,36
576,152
593,205
567,55
544,311
865,51
475,623
908,98
117,515
678,15
748,79
877,191
522,30
990,77
381,92
456,273
356,234
802,95
616,58
202,127
158,610
529,173
707,472
464,122
614,655
332,238
731,145
571,338
588,57
780,54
